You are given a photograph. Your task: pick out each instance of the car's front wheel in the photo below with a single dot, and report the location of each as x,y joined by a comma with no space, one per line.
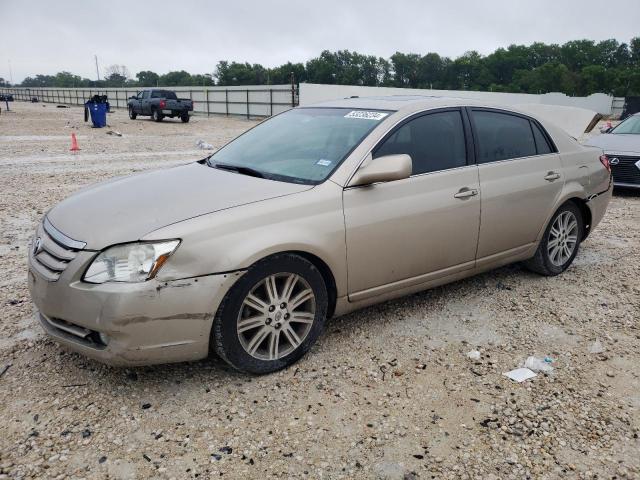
560,243
272,316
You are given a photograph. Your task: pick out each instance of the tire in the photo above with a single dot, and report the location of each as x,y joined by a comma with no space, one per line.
132,113
156,116
185,118
550,260
244,336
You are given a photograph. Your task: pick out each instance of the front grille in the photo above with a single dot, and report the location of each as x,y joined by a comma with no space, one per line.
626,171
52,251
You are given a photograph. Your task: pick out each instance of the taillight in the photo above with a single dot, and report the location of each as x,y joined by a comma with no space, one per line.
164,104
605,161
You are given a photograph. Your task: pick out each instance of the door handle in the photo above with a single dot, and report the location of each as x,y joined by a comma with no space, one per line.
551,176
466,193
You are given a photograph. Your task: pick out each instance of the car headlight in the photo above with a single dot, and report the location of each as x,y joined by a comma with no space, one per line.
130,262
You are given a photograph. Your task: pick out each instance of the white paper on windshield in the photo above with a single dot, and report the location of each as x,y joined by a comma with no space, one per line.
323,162
366,115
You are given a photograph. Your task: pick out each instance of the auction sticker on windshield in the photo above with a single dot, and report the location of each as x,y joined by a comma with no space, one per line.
363,114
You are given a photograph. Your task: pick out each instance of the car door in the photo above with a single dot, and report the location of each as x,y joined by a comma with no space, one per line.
137,103
409,231
520,178
146,103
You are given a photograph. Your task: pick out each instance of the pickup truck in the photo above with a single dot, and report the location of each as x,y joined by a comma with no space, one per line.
159,104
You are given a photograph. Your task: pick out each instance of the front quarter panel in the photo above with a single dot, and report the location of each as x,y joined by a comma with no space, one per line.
311,221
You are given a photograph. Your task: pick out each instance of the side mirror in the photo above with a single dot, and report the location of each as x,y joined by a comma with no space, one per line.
133,98
383,169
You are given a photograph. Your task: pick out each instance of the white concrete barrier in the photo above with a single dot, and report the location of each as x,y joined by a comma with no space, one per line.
311,93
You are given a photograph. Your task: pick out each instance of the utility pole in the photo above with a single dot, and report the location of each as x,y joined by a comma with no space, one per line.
97,69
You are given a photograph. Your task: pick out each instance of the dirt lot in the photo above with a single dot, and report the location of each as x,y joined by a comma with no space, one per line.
387,393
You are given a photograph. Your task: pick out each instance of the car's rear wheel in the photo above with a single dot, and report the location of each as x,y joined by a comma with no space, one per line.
272,316
560,243
156,116
185,118
132,113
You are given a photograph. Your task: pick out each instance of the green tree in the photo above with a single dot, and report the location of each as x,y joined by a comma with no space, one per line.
147,78
175,79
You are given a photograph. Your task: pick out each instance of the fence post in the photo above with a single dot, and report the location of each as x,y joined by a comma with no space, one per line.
271,102
206,97
226,100
293,92
247,104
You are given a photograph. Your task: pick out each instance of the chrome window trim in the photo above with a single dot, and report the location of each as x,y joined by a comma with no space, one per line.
61,238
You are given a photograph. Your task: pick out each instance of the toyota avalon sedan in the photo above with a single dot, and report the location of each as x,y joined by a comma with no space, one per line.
622,145
313,213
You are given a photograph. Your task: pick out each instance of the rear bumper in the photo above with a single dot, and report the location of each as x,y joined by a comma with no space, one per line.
598,206
144,323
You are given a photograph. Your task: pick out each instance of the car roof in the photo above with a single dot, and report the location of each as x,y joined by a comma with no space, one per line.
403,102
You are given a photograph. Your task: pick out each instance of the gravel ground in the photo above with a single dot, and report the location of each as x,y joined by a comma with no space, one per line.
388,392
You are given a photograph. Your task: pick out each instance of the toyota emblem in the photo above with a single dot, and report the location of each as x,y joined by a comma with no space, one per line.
614,161
37,246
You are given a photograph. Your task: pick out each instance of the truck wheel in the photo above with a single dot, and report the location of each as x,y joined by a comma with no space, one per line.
156,116
132,113
185,118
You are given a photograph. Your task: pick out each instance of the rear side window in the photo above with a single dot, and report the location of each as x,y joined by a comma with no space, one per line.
502,136
542,144
434,141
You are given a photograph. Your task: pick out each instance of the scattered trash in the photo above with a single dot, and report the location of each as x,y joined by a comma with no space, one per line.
520,374
538,364
4,369
597,347
227,450
74,143
62,106
146,406
113,132
202,145
474,355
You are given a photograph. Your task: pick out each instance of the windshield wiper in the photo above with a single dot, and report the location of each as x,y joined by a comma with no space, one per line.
237,168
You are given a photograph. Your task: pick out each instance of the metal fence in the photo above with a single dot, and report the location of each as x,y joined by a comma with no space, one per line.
249,101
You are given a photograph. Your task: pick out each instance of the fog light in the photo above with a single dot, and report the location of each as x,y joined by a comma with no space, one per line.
104,338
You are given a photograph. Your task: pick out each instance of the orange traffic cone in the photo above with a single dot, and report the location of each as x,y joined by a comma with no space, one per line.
74,143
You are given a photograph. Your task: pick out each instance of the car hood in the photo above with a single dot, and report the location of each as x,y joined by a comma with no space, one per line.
127,208
615,143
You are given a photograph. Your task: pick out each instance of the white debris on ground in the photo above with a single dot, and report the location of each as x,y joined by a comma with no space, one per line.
386,393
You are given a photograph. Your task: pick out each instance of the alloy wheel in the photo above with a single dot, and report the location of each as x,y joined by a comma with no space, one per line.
563,238
276,316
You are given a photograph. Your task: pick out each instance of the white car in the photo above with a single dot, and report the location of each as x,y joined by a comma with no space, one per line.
622,145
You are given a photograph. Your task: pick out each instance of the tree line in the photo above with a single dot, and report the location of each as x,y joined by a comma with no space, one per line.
578,67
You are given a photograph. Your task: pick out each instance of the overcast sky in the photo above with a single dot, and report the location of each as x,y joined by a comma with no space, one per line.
47,36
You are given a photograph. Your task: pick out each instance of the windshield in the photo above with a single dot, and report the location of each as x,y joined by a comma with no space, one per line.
630,125
303,145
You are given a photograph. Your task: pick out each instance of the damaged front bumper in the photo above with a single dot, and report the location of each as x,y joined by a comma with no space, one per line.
127,324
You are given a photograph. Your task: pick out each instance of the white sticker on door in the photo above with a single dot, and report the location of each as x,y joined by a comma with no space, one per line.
366,115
